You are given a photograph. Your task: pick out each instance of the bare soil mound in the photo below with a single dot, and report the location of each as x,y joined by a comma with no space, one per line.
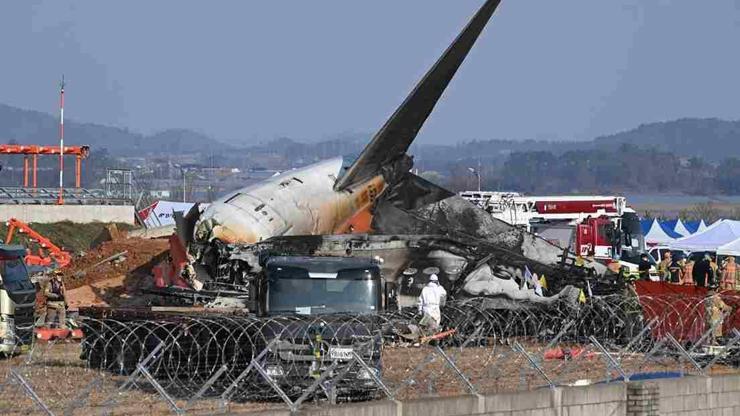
141,256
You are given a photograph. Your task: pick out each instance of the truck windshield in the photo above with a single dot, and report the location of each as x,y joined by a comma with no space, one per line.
13,270
356,291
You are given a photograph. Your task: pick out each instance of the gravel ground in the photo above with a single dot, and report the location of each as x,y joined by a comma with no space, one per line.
62,382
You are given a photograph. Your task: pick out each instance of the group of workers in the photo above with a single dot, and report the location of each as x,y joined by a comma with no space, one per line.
705,272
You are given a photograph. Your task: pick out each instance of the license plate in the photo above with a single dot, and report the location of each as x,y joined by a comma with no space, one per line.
340,353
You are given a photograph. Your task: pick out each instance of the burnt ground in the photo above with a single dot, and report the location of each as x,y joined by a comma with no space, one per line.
61,379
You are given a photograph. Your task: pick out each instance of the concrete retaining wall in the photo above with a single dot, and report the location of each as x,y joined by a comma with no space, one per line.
719,395
75,213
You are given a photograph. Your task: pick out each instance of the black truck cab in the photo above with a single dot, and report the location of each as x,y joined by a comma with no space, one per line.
320,285
17,299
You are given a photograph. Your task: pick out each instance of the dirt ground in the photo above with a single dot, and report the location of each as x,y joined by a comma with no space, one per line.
61,381
141,255
117,282
59,378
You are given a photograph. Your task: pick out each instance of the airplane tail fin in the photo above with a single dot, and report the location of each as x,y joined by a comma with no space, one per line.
394,138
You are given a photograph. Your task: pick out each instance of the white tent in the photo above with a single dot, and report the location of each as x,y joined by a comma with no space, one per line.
680,228
716,235
702,226
660,233
730,249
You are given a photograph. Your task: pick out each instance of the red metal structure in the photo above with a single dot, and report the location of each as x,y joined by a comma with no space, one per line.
47,252
79,152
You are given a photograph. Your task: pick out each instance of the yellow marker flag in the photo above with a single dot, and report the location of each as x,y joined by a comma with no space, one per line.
582,297
543,281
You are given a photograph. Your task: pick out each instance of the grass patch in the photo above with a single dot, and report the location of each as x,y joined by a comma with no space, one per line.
70,236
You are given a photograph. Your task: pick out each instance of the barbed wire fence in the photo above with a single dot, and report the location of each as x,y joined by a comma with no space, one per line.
209,364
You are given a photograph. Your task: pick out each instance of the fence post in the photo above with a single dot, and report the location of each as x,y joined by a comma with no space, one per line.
457,371
160,390
728,346
206,386
611,362
518,347
131,379
144,363
372,374
683,352
639,336
226,395
20,380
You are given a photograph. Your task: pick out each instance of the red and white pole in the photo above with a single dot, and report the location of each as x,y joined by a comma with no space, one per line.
60,201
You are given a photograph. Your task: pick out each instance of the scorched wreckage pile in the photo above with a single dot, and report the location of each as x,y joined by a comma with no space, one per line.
374,207
367,235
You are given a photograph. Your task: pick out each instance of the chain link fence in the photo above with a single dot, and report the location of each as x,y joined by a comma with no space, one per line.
206,364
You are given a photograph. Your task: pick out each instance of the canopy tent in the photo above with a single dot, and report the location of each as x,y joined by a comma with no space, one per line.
679,227
691,226
671,224
645,225
659,233
730,249
716,235
702,227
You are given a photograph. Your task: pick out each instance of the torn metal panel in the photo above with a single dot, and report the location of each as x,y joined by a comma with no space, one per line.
395,213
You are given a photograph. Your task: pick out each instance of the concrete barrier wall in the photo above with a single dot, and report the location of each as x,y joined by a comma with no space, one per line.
75,213
719,395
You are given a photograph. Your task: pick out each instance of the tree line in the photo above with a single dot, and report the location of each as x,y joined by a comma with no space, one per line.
628,168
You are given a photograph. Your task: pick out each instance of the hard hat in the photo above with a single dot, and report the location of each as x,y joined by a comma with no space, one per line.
433,278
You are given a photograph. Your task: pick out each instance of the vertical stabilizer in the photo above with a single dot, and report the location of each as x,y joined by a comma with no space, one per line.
393,140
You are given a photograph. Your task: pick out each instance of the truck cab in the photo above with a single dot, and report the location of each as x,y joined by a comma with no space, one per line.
17,300
321,285
322,310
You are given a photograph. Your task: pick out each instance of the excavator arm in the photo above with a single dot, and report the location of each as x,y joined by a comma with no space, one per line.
47,253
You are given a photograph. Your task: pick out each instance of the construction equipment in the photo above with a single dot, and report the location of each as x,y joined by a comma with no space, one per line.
47,254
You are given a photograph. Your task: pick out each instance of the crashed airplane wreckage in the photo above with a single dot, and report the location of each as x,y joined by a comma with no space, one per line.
375,207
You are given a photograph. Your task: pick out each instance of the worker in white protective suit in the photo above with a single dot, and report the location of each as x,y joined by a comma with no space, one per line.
432,297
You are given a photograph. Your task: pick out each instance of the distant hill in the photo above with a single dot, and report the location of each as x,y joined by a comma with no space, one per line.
34,127
708,138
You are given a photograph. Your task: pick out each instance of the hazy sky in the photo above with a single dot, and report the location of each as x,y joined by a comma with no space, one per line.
254,70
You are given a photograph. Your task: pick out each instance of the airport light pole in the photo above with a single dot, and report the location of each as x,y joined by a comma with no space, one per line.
476,172
60,200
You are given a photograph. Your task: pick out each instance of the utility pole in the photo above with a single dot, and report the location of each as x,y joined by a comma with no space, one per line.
478,174
60,201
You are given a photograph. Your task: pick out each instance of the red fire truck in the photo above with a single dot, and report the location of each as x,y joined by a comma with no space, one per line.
602,227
